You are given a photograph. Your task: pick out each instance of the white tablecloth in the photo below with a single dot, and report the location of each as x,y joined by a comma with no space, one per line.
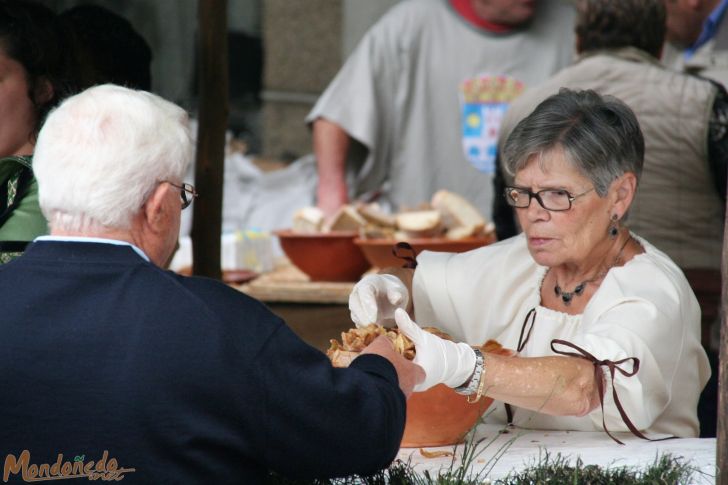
520,448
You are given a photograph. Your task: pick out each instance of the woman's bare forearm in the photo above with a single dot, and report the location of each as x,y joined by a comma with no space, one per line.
556,385
560,386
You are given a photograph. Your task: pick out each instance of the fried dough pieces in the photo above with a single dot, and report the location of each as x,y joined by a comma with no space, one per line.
354,340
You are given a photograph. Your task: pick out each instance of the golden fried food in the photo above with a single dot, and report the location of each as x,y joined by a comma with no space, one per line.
354,340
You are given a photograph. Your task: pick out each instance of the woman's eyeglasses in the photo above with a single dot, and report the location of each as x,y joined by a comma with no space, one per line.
550,199
187,193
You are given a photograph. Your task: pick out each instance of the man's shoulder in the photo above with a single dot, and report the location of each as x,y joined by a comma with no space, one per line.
220,298
211,288
631,66
128,278
204,304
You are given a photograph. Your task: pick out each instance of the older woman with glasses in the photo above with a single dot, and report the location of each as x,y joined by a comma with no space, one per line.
605,326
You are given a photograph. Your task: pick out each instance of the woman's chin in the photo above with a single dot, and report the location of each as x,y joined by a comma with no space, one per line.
542,257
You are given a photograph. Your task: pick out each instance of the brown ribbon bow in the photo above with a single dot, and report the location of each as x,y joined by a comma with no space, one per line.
613,367
410,260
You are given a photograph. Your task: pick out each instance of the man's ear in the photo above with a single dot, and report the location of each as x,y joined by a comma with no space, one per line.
43,91
154,207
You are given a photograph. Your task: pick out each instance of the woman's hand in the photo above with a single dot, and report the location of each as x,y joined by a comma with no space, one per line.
375,298
444,362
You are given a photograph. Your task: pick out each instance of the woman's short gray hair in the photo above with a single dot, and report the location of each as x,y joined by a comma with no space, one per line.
102,153
599,135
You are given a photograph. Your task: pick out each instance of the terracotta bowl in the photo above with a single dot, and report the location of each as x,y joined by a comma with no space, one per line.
325,256
439,417
379,251
436,417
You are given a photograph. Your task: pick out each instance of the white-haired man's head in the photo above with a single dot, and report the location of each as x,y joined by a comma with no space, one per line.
101,154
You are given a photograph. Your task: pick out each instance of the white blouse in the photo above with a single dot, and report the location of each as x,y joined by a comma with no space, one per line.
644,309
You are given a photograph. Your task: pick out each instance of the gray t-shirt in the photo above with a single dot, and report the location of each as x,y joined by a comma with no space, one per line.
424,93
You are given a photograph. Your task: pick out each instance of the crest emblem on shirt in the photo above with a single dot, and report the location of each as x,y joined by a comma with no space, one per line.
484,100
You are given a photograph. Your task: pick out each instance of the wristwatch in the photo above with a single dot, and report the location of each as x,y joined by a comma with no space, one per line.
471,385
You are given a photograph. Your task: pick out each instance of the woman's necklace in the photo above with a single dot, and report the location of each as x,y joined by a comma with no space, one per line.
567,296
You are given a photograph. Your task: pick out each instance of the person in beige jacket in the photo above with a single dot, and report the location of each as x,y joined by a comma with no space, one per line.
697,38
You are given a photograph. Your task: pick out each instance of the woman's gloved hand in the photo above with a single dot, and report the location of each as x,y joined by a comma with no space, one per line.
444,362
375,298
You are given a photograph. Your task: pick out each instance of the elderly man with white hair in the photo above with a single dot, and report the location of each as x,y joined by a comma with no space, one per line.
114,368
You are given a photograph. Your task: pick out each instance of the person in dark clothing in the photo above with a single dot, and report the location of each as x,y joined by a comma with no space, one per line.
36,73
107,48
152,376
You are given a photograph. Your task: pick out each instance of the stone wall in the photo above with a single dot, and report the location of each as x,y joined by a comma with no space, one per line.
302,53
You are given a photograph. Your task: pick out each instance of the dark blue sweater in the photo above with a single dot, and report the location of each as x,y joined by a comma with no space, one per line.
183,380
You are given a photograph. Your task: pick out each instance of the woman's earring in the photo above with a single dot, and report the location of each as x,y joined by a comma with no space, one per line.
614,226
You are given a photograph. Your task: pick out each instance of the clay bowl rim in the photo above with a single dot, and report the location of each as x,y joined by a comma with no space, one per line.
289,233
423,241
299,248
378,251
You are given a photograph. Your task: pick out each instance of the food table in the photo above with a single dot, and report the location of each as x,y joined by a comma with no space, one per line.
503,453
316,311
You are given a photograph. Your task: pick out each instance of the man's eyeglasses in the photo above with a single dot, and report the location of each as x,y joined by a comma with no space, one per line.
550,199
187,193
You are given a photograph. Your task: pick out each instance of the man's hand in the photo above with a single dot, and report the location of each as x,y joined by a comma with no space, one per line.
375,298
444,362
408,373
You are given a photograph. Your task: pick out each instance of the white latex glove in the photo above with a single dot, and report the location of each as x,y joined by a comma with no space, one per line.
375,298
444,362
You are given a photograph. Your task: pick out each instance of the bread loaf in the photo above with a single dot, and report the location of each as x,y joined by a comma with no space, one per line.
461,232
308,220
374,214
458,213
418,224
346,219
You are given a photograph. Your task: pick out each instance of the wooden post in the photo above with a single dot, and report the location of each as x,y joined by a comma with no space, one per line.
722,431
213,120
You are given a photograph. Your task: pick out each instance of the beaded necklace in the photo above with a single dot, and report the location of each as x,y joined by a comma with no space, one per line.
567,296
